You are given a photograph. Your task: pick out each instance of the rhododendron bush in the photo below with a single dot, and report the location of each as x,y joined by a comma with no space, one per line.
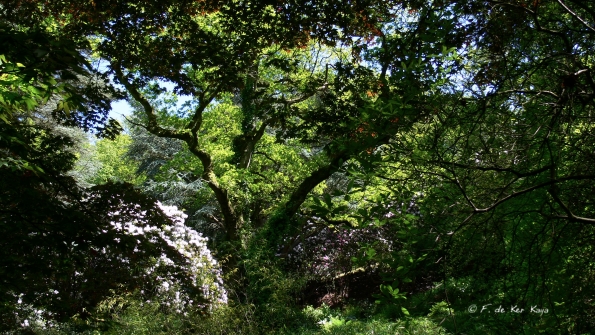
199,266
184,275
137,246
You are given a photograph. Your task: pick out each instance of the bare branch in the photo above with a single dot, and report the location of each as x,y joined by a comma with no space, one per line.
530,92
251,139
203,103
530,189
465,194
294,101
570,215
576,16
152,126
268,157
492,168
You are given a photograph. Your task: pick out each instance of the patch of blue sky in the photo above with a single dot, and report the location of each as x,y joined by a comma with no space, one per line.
121,109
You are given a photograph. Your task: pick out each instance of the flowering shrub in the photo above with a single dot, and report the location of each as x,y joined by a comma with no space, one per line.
116,242
199,265
187,277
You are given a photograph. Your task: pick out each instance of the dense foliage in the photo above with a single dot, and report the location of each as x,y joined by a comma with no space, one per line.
436,155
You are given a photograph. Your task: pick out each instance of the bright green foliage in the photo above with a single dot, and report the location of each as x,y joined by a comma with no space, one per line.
111,154
61,255
460,131
148,319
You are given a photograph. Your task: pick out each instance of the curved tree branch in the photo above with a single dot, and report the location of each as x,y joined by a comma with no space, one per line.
576,16
152,126
530,189
232,220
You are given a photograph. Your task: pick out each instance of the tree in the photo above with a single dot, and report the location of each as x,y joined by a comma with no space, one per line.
505,163
110,154
300,110
477,114
300,99
62,251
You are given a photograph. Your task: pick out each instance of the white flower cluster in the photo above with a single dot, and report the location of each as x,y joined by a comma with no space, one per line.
29,317
200,266
194,263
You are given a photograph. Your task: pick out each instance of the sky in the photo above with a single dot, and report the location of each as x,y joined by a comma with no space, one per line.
121,108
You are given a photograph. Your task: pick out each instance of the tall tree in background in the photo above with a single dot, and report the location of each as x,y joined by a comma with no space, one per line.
337,105
62,252
477,112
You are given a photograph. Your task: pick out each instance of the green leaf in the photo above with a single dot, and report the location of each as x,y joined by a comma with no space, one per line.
318,202
327,200
350,186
